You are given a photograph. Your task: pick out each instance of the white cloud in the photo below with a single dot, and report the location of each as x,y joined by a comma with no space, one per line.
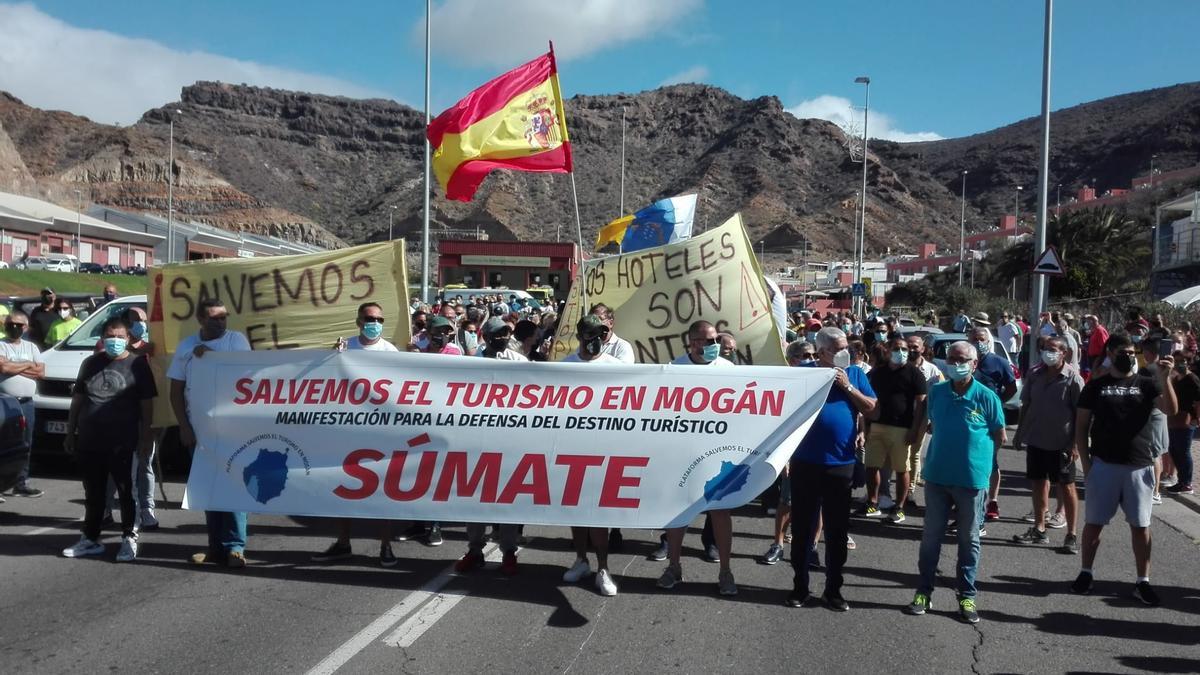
112,78
504,33
691,75
839,111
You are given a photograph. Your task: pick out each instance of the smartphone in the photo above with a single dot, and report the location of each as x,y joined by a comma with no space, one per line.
1165,348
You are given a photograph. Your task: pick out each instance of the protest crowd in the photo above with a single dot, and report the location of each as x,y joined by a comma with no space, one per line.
1115,407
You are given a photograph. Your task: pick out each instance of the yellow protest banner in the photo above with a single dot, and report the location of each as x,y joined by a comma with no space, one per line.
657,293
302,301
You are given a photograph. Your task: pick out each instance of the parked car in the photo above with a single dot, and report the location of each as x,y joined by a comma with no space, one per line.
83,303
33,262
53,398
91,268
926,332
59,266
112,269
940,345
136,270
3,265
14,453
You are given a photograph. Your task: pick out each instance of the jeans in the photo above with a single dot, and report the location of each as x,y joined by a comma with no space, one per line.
226,530
99,465
820,491
1181,452
970,503
27,410
508,537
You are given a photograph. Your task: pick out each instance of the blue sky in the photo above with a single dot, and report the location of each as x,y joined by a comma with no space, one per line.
937,67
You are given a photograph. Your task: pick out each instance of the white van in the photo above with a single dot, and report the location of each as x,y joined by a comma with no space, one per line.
63,360
468,293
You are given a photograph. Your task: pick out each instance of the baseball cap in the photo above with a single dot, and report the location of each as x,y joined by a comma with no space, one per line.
590,325
493,325
438,321
47,290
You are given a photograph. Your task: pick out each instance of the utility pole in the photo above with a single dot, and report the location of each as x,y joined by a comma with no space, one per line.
962,231
1039,296
862,229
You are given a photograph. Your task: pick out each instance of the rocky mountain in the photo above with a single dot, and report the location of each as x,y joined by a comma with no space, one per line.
333,169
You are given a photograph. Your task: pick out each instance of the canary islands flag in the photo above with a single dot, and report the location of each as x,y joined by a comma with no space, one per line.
663,222
515,122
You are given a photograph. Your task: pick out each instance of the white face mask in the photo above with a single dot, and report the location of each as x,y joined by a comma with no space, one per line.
64,313
1051,357
842,359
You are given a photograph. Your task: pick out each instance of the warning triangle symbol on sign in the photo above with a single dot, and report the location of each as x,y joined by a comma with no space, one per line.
1049,263
752,306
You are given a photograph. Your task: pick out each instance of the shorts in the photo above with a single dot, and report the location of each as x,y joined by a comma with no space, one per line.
785,491
1052,465
1112,485
887,447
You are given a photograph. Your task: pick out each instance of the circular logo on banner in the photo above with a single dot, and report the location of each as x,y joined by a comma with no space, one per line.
266,473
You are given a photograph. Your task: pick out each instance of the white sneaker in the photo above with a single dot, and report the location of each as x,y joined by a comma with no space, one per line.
605,583
1156,500
128,552
82,548
1057,521
1168,481
579,570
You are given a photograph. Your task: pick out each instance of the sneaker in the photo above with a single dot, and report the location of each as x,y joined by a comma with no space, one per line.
435,536
711,554
336,551
850,545
1156,499
412,533
605,584
147,522
966,609
471,561
798,598
508,566
236,560
870,510
1070,544
128,552
1057,521
83,547
897,516
1181,489
24,490
386,557
772,510
952,527
579,570
1168,481
787,537
725,583
773,555
1082,584
814,559
662,552
2,500
835,601
616,541
1031,536
1031,518
1145,592
993,511
982,531
921,603
670,577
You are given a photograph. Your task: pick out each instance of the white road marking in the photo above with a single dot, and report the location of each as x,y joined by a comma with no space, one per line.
379,626
416,625
40,530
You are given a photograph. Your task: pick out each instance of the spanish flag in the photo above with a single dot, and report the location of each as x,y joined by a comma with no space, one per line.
515,122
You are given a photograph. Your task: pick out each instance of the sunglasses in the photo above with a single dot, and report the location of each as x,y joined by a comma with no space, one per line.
13,324
372,319
709,341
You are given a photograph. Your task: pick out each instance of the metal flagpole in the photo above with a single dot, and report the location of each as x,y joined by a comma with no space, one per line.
425,224
1039,297
622,211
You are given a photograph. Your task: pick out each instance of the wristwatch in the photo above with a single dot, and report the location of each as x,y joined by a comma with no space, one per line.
849,389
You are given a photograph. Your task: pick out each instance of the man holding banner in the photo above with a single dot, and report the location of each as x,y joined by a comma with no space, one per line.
226,530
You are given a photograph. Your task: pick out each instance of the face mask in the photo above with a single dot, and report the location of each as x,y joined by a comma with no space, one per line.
13,332
983,347
437,340
881,335
807,360
372,330
593,346
845,328
842,359
419,326
64,313
899,358
711,352
498,344
470,341
140,330
959,371
114,347
1125,363
109,296
1135,338
1051,357
811,338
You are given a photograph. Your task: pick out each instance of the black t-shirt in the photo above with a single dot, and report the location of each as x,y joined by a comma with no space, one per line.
1121,409
113,391
40,320
896,391
1187,390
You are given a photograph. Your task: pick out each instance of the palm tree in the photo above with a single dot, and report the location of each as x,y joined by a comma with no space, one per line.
1101,249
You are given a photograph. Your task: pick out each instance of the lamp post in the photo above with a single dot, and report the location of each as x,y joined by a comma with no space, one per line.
962,230
1152,158
1039,286
1017,227
391,213
862,226
1057,199
78,225
804,277
171,189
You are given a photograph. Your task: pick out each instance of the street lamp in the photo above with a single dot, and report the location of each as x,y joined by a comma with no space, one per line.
78,226
1152,158
171,189
862,228
1057,199
391,212
962,230
1017,227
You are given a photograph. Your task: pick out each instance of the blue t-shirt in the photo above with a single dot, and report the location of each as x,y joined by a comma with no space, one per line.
961,449
994,372
830,441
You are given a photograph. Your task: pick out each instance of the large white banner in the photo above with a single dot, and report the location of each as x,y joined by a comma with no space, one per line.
431,437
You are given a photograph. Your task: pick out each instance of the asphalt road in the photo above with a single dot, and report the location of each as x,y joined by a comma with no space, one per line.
286,614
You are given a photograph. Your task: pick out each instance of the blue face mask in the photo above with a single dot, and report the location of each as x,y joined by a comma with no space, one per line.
114,347
983,347
711,352
899,358
470,342
959,371
140,330
372,330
